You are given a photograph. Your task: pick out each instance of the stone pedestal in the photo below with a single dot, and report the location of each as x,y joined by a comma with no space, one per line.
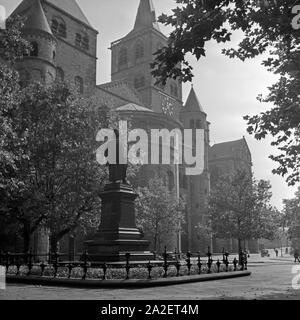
118,234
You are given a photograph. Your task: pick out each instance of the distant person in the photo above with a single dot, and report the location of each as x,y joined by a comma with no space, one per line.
276,251
286,250
296,255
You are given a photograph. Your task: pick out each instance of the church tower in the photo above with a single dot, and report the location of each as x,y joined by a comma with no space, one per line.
75,55
131,58
39,64
193,117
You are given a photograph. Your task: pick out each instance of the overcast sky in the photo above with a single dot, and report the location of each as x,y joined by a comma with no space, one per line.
226,88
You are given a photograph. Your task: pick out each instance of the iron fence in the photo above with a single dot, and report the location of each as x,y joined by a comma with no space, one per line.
170,264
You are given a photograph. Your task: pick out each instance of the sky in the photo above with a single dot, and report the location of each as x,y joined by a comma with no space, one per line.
227,88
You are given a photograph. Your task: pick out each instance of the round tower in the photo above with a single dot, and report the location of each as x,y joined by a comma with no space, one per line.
39,64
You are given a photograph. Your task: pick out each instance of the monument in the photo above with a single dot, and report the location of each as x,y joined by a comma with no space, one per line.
118,234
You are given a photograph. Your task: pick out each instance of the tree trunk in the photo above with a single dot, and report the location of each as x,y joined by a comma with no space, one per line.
53,243
155,242
26,237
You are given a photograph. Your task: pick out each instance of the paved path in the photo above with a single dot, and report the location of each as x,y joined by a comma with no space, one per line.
270,280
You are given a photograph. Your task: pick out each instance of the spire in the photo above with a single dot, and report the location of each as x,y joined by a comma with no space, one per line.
192,103
71,7
36,19
146,17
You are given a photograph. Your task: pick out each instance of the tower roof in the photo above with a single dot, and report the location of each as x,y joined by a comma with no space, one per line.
146,16
225,149
192,103
69,6
36,19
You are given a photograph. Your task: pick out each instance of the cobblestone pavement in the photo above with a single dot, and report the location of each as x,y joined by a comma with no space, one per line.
270,280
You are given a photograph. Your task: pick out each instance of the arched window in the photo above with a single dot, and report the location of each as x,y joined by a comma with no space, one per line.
192,124
62,29
85,42
37,75
123,57
139,81
198,124
78,40
79,85
82,41
34,52
58,27
54,26
139,50
60,75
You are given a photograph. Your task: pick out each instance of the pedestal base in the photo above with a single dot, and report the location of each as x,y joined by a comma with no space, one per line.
118,234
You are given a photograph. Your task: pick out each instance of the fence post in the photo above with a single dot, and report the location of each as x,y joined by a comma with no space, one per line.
242,262
218,265
178,266
188,262
235,262
7,261
210,260
127,267
199,264
55,264
85,264
246,261
104,267
149,268
70,268
226,262
166,263
18,265
43,266
29,264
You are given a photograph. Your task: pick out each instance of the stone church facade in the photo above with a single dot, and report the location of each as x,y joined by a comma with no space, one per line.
64,48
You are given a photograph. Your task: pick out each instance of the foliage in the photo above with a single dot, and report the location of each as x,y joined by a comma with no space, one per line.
56,173
292,212
239,208
267,29
12,45
159,212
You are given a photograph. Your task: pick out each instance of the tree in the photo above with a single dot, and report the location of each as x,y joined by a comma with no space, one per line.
292,213
58,178
239,208
269,27
12,46
159,212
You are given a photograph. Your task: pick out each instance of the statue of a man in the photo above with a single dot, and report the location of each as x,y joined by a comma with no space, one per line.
117,171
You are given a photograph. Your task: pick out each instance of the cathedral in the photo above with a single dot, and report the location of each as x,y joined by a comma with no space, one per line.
64,48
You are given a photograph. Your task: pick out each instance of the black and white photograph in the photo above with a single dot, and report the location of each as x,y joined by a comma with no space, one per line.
149,152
